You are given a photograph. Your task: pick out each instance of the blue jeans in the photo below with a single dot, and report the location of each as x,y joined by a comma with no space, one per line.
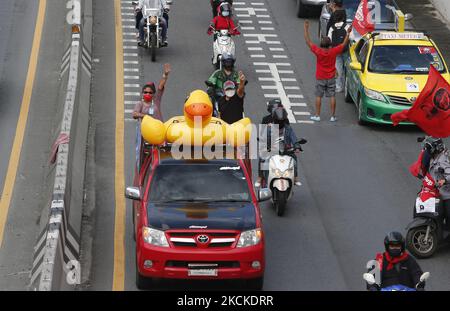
143,24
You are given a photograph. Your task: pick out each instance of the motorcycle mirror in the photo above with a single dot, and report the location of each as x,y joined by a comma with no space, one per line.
420,139
264,194
302,141
425,277
369,278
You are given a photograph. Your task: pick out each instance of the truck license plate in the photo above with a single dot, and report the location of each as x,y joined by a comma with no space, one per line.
202,272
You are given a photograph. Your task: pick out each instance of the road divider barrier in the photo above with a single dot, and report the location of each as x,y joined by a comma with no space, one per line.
56,261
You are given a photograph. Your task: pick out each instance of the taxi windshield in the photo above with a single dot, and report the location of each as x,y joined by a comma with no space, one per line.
404,59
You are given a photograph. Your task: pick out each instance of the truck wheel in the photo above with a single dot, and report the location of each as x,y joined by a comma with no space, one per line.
416,244
254,284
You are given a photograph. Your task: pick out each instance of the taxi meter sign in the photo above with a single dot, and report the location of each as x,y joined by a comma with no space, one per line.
401,36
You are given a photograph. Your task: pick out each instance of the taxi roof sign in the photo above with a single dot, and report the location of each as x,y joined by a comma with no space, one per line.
401,36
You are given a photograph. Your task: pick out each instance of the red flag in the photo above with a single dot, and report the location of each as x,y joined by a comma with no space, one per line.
362,22
416,168
431,111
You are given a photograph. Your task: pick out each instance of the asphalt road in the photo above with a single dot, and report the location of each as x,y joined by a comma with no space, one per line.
29,192
356,185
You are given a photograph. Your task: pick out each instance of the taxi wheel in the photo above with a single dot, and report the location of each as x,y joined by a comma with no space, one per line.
360,112
348,98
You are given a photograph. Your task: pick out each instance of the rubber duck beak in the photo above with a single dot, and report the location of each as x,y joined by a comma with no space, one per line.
198,110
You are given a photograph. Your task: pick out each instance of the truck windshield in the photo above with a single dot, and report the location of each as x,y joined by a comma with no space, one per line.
199,183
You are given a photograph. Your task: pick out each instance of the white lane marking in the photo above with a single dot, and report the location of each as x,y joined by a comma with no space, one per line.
245,21
273,42
239,3
129,26
257,3
305,122
132,94
280,56
295,96
262,71
272,96
127,14
243,15
267,64
262,16
130,54
292,88
131,70
248,28
286,71
268,28
269,87
130,102
131,77
128,110
129,34
130,62
260,36
130,47
130,40
252,42
299,105
254,48
127,8
276,49
128,20
302,113
266,79
288,80
257,56
132,85
265,22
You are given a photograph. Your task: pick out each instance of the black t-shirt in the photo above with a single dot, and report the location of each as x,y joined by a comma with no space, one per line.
231,110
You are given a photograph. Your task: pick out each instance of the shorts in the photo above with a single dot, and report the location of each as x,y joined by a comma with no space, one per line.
327,87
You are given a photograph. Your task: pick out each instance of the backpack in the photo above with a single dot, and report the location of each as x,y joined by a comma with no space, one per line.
338,35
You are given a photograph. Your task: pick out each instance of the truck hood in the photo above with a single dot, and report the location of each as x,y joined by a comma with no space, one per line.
239,216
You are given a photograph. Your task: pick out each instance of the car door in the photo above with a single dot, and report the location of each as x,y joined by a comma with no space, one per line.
359,55
351,75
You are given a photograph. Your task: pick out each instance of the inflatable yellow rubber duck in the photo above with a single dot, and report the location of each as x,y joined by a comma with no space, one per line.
196,127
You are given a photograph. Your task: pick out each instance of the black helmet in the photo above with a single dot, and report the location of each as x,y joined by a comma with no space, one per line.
274,103
434,145
394,238
228,61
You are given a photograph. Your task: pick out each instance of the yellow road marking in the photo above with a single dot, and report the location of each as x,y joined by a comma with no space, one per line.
14,158
119,222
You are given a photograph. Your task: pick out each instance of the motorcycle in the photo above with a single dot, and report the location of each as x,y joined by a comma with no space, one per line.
370,279
153,14
223,43
427,231
281,174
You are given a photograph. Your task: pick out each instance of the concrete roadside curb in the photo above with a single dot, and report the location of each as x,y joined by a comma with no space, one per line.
56,263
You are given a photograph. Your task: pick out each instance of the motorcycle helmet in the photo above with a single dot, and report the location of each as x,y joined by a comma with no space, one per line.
279,116
394,238
225,9
434,145
228,61
274,103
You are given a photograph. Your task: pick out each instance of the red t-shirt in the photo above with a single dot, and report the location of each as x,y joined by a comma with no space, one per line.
221,23
326,61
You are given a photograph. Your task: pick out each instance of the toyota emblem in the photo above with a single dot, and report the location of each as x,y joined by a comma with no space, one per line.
202,239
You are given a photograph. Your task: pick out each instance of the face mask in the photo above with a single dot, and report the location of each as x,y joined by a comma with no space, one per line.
225,13
147,98
230,93
395,252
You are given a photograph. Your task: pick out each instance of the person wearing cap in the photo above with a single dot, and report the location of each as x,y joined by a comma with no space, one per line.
150,103
231,105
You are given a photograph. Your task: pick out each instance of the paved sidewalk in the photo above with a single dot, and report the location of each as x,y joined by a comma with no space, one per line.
428,19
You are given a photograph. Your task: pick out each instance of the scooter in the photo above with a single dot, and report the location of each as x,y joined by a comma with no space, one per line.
281,174
427,231
223,43
370,279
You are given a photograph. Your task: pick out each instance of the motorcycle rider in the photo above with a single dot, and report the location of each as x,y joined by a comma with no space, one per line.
271,105
143,22
438,158
396,265
228,73
223,21
280,118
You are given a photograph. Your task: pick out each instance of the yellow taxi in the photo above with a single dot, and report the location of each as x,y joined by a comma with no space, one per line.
386,71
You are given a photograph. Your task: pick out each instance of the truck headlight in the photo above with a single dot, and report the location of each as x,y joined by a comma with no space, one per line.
154,237
374,95
250,238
